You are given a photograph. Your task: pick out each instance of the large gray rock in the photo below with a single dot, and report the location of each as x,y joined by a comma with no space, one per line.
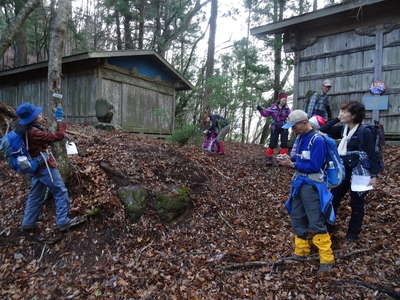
104,111
173,203
134,198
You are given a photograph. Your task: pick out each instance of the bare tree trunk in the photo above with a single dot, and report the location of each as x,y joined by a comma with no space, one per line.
21,54
128,32
141,23
9,34
210,55
168,35
157,21
244,85
279,6
301,7
21,46
315,5
118,29
56,49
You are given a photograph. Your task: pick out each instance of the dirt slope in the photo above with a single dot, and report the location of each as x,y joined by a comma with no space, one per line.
237,217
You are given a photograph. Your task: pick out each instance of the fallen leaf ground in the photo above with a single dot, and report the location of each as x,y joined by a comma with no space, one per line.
238,216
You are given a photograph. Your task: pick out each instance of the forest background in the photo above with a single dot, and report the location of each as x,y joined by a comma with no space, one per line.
208,41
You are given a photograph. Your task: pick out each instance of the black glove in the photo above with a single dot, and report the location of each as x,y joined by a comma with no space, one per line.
259,108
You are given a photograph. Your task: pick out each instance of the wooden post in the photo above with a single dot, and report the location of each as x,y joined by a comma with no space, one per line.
378,72
296,80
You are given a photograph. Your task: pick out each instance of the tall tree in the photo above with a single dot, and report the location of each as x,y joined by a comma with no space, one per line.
10,33
21,46
58,29
141,16
249,6
118,30
210,54
176,22
278,10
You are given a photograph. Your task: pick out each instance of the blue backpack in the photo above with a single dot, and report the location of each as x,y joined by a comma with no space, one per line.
334,171
16,153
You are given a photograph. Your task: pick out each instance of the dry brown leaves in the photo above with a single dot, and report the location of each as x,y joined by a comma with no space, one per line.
238,217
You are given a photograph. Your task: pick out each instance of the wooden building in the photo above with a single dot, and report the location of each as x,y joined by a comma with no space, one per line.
140,84
352,44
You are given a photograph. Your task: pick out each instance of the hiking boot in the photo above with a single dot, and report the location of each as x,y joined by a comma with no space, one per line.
71,223
352,237
323,268
28,228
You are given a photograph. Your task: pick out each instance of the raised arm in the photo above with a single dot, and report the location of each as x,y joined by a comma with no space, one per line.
331,130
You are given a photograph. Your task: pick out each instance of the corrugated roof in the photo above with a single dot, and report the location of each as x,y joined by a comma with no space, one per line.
103,54
282,26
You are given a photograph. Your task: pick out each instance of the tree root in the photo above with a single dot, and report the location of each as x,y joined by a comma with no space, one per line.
289,259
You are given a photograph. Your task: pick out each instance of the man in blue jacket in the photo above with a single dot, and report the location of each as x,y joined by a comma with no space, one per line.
308,190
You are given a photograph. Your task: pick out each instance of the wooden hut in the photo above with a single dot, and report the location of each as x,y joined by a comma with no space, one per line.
141,85
352,44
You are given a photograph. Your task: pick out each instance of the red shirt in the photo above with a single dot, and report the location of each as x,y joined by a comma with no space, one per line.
39,139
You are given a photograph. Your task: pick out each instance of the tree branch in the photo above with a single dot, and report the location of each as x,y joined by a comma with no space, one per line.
290,259
9,35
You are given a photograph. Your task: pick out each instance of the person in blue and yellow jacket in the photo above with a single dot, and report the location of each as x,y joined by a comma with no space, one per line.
309,204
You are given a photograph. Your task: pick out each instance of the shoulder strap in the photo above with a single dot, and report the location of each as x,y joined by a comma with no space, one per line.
361,130
315,135
26,141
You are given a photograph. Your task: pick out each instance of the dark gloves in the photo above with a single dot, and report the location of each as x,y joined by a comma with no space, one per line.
259,108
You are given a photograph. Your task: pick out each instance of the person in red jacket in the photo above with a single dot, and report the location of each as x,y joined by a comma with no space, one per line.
48,176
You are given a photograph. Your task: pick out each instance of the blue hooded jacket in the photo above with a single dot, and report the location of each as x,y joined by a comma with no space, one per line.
310,165
325,196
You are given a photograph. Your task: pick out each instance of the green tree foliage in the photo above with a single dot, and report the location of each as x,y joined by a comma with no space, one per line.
246,73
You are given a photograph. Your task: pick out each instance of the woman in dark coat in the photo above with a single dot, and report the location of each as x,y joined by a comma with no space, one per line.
357,148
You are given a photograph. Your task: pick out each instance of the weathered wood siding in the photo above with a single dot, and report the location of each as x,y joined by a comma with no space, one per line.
79,90
142,104
346,58
351,59
145,106
391,75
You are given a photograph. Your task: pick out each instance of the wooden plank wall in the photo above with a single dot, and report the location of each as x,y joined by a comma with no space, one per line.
350,61
391,75
346,58
79,90
145,106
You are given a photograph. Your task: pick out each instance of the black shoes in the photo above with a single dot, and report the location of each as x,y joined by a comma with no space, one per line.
71,223
351,236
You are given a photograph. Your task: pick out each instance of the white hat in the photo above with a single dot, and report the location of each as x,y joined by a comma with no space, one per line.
295,117
327,82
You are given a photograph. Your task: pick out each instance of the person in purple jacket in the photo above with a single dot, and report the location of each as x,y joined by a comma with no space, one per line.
279,112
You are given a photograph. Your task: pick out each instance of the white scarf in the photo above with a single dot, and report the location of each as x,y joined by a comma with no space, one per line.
342,148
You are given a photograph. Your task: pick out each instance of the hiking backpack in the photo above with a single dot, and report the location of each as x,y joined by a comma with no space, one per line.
16,153
334,171
379,138
308,96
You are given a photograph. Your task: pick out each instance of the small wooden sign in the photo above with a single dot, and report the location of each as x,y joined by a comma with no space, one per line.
373,102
